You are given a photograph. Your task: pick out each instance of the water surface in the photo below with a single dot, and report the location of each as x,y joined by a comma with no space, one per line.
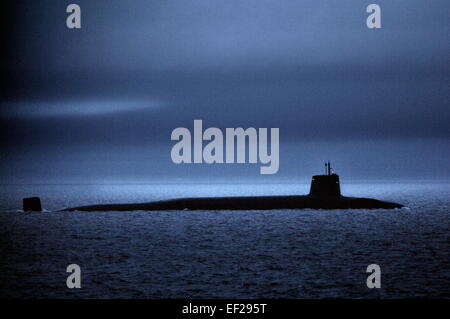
235,254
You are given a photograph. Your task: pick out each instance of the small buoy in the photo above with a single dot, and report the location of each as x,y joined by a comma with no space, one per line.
32,204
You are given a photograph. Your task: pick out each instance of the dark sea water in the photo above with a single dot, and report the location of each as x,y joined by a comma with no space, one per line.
231,254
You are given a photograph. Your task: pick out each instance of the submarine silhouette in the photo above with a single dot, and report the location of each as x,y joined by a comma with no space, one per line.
325,193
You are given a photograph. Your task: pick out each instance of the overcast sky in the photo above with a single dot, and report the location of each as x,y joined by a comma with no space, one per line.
99,104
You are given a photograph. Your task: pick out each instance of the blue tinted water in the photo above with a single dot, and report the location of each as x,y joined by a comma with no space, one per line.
235,254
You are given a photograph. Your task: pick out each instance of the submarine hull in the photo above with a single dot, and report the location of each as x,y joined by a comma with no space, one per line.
247,203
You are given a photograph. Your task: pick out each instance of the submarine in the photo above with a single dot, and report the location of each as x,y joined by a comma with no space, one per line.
325,193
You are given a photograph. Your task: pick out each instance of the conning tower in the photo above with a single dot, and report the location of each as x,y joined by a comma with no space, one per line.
326,185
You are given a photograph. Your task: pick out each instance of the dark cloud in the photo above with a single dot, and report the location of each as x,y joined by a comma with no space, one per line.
136,70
